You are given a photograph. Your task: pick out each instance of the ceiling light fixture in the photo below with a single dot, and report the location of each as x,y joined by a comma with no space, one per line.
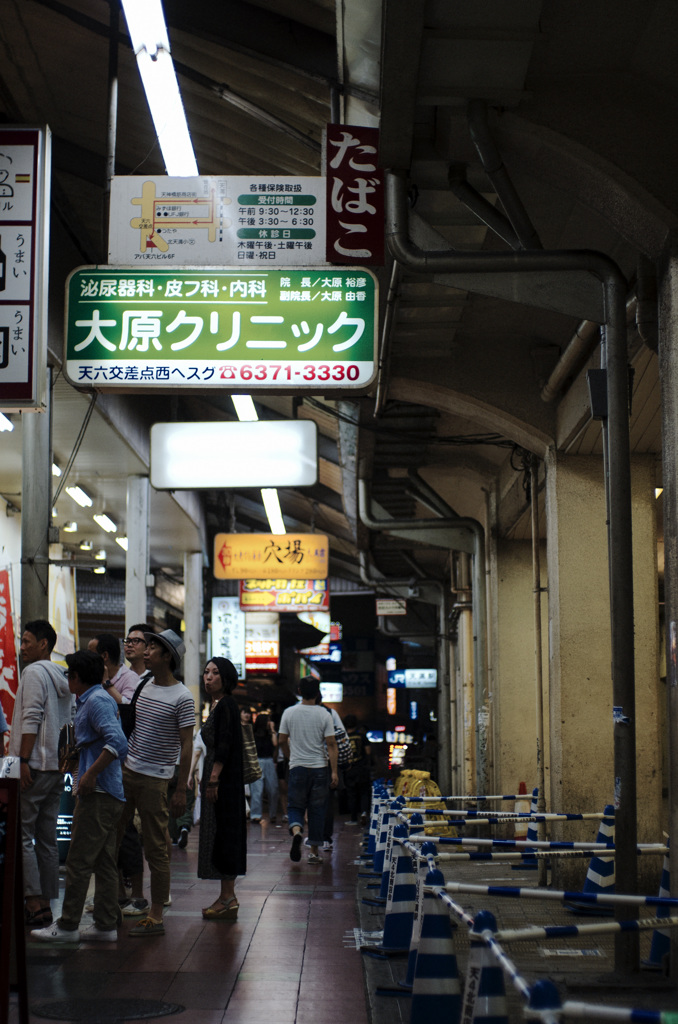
150,42
107,524
122,541
100,555
81,497
70,527
658,491
5,423
244,408
85,545
269,496
100,569
56,471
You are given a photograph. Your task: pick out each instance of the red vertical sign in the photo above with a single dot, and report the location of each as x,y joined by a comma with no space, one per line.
355,196
9,677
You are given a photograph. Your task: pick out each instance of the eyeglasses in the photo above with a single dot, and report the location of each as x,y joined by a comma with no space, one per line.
133,640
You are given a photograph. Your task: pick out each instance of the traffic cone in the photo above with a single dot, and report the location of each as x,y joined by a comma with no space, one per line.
529,861
436,992
600,876
418,917
485,993
660,948
400,900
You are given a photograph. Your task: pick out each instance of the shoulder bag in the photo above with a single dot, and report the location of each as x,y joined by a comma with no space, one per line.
128,712
251,769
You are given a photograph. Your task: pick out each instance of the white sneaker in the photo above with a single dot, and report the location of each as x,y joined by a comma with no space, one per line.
94,934
53,933
168,901
328,845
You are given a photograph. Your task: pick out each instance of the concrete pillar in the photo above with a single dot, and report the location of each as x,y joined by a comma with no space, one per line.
581,711
193,602
137,562
36,511
515,699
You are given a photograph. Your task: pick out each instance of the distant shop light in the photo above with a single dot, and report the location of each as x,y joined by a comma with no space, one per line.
105,522
414,710
79,496
100,570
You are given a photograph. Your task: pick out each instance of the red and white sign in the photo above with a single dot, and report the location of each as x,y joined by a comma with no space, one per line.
9,675
262,643
355,195
284,595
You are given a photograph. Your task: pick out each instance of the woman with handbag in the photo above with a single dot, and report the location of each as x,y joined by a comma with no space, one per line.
222,850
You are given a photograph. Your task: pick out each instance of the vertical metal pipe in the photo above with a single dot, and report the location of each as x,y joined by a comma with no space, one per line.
668,375
444,701
538,667
36,509
112,122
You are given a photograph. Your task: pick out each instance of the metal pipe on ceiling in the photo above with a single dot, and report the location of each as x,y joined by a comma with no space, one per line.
479,205
493,165
619,511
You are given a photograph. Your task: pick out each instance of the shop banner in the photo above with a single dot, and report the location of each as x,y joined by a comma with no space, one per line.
9,674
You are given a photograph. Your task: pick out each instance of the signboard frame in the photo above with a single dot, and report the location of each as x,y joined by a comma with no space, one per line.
29,393
261,330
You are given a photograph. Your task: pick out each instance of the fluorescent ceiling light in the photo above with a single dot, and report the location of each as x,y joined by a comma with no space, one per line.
99,570
269,496
658,491
102,520
5,423
244,408
150,42
54,513
81,497
55,470
70,527
85,545
270,453
100,555
122,541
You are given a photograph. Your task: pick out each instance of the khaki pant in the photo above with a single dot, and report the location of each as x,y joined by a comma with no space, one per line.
93,850
148,796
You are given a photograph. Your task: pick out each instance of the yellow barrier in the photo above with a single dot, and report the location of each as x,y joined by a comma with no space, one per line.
414,783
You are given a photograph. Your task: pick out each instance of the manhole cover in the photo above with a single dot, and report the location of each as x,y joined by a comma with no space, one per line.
93,1011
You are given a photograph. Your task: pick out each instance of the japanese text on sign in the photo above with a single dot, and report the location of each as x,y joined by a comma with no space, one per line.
241,556
272,329
355,196
284,595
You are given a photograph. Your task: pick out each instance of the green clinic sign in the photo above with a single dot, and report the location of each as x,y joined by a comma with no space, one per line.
129,329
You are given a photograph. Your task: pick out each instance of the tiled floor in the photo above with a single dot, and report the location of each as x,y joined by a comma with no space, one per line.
283,961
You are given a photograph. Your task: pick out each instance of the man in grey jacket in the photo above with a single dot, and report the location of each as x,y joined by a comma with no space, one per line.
43,705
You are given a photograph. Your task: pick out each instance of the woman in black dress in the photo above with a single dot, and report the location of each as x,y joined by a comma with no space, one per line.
222,852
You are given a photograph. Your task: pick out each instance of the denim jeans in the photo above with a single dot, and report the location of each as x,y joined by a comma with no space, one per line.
39,813
307,791
269,782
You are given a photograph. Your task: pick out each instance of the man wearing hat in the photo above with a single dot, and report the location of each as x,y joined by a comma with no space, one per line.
163,730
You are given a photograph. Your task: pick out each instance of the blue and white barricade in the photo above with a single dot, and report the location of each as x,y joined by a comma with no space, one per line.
530,861
600,877
436,990
660,947
485,992
400,902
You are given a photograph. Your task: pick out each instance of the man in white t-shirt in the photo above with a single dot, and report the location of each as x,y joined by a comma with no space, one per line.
304,732
163,732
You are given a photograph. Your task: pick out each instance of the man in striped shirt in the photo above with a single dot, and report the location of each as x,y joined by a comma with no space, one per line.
163,729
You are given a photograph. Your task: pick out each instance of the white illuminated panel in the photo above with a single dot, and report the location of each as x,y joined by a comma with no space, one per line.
332,693
272,453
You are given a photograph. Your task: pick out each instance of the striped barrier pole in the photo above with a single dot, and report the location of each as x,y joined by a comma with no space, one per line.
538,854
463,799
564,931
484,993
660,948
479,817
562,895
428,850
513,844
600,876
591,1011
436,991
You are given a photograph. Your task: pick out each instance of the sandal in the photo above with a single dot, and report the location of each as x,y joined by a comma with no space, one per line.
40,918
228,911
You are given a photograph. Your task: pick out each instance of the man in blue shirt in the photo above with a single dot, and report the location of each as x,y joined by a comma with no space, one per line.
100,802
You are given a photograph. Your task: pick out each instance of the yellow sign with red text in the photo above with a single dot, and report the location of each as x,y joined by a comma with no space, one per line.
286,556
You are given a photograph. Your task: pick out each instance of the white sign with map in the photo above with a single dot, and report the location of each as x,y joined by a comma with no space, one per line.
213,221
